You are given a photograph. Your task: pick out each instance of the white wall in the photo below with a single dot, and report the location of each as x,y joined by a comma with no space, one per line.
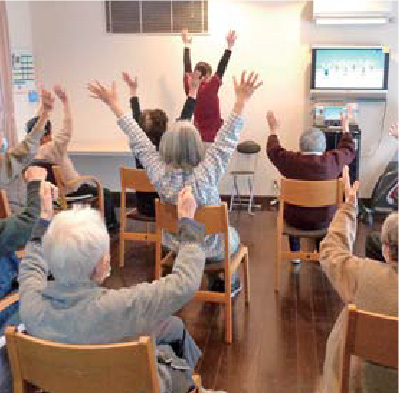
20,33
274,38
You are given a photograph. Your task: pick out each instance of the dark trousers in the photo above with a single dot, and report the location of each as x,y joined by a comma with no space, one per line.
109,208
295,243
374,247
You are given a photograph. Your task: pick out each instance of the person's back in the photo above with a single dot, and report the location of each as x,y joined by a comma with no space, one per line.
312,163
370,285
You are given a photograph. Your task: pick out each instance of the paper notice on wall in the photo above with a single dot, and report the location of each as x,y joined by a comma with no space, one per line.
23,71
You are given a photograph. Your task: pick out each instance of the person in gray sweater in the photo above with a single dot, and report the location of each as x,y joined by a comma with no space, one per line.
74,308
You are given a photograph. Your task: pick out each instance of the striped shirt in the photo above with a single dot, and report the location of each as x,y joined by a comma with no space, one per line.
203,179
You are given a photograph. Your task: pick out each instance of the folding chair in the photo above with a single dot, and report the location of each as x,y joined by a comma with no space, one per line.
309,194
215,219
372,337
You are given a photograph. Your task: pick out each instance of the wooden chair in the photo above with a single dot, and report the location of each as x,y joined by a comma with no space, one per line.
5,210
8,300
215,219
59,367
303,193
63,186
136,179
372,337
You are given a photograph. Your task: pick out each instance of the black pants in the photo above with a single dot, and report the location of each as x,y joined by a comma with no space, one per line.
295,243
109,208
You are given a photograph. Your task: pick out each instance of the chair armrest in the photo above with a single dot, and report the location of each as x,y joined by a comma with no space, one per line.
8,300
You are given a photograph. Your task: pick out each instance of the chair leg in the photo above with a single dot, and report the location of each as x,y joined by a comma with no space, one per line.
121,250
246,278
277,265
228,319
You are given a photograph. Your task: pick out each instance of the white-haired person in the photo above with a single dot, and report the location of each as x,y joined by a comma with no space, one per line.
182,161
370,285
15,160
74,308
312,162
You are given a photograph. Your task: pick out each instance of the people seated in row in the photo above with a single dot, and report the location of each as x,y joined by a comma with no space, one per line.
15,232
15,160
207,117
54,149
370,285
74,308
154,123
182,161
312,162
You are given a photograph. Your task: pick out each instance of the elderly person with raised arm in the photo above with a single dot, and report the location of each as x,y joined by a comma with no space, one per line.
74,308
370,285
182,161
312,162
14,161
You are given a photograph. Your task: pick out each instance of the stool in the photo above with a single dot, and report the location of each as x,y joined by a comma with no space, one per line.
247,148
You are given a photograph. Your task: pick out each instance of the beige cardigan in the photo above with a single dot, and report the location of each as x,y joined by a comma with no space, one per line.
371,286
55,151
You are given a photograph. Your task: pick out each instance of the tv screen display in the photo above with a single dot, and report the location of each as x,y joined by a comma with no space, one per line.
350,68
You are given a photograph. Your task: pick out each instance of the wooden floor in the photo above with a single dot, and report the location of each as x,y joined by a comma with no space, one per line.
279,340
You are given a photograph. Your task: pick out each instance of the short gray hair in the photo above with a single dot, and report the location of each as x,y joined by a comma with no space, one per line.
74,243
312,140
181,146
389,235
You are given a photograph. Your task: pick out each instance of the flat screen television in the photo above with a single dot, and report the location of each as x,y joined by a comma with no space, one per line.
349,68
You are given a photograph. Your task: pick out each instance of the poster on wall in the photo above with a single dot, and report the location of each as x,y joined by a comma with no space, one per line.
23,74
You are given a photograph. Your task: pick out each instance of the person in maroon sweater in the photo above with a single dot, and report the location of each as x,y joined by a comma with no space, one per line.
311,163
207,116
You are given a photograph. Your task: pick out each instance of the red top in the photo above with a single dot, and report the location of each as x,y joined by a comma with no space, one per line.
207,110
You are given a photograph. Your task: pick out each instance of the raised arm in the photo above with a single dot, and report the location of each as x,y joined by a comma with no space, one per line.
218,155
15,230
134,99
189,105
62,138
148,304
187,39
140,144
336,249
33,269
13,162
230,38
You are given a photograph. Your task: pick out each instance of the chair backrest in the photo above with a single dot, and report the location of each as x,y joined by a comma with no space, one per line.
214,217
311,193
5,210
372,337
57,367
135,179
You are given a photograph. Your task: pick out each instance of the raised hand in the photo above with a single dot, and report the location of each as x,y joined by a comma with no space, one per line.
194,80
131,83
231,38
244,90
186,204
272,121
393,130
350,191
61,94
187,39
47,101
35,173
346,117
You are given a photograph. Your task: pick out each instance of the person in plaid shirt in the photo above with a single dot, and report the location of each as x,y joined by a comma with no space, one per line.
182,161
